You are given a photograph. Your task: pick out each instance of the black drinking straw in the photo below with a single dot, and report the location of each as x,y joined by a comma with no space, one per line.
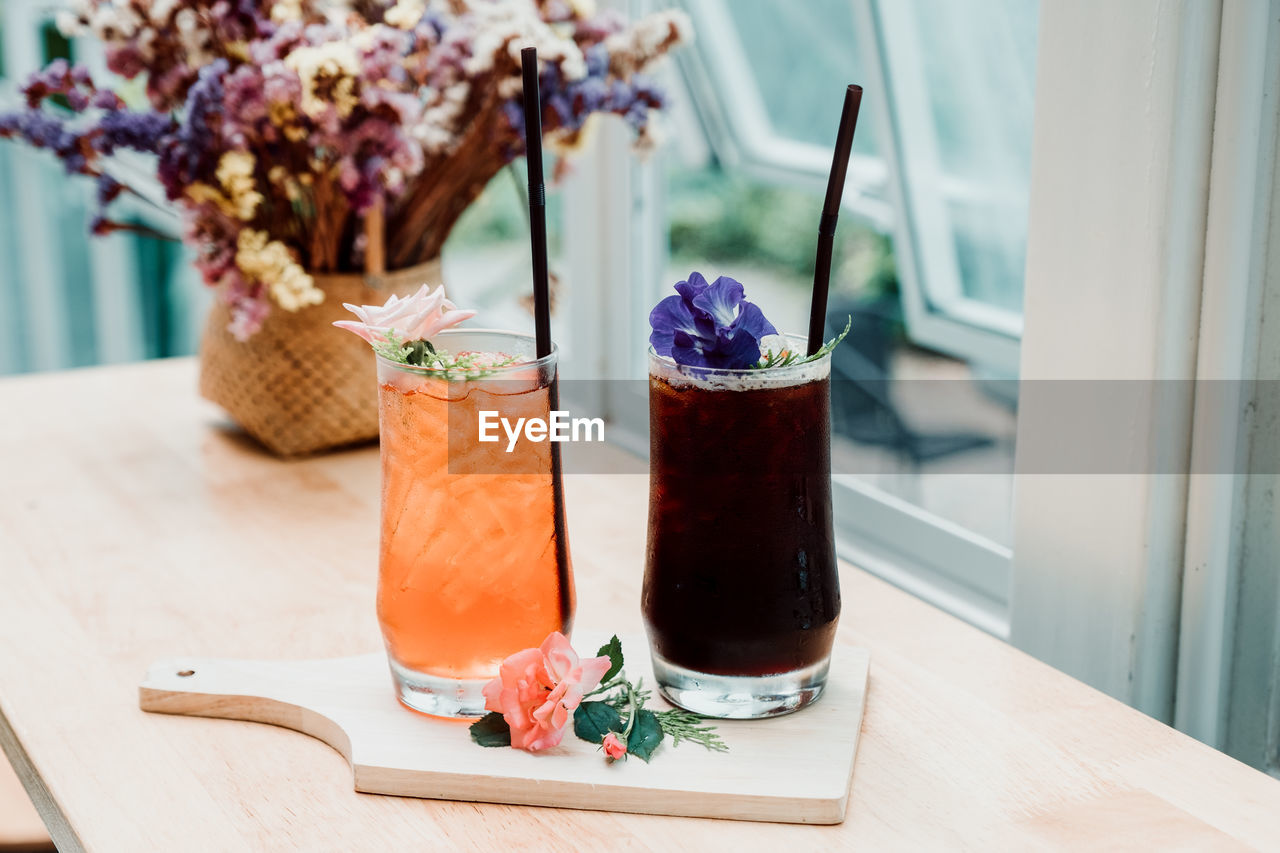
537,200
830,212
542,308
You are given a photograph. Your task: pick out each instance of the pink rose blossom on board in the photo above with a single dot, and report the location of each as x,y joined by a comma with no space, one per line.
537,691
414,318
614,747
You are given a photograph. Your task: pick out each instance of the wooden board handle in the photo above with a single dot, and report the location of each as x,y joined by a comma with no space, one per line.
796,768
296,695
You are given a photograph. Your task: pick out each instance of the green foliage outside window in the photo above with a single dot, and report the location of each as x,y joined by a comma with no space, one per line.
718,216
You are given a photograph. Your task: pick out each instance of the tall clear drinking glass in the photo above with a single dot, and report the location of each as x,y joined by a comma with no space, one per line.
741,589
474,561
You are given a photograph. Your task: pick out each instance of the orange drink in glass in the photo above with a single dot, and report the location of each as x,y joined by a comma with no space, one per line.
474,561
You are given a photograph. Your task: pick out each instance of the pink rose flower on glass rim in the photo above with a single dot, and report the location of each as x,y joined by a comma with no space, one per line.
537,691
413,318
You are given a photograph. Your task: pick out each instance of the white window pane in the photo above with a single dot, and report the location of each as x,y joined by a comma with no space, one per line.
979,59
962,73
769,78
799,96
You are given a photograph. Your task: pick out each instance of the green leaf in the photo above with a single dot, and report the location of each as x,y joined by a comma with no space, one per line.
645,736
680,725
491,730
613,649
392,348
593,720
417,352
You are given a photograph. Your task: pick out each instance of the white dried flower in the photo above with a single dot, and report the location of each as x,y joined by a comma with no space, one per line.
161,10
573,65
70,25
103,22
334,60
405,14
634,49
510,87
283,11
437,129
146,44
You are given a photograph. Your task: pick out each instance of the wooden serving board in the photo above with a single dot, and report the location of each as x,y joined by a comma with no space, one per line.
792,769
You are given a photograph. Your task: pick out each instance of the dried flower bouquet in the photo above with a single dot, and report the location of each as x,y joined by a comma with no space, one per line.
289,131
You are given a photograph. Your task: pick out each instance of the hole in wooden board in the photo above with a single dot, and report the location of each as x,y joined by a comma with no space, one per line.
186,673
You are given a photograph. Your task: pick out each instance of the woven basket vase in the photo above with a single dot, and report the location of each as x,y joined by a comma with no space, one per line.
299,385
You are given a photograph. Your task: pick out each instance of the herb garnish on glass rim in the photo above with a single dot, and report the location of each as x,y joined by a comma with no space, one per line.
400,331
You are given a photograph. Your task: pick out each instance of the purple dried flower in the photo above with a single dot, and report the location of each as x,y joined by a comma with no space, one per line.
77,100
432,25
191,153
127,61
512,111
590,95
244,99
45,131
53,77
214,236
130,130
60,78
709,325
108,189
572,102
597,57
636,117
106,100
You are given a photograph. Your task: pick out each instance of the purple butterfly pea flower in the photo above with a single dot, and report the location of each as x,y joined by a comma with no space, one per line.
709,325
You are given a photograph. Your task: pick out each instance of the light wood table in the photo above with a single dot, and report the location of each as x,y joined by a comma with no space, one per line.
21,830
133,527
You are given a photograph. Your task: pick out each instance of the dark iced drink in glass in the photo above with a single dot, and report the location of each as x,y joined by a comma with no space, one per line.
741,590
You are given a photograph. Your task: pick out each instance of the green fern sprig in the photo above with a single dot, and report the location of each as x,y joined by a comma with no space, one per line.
790,357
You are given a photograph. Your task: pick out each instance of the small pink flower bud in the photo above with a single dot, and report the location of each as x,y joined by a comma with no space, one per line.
614,746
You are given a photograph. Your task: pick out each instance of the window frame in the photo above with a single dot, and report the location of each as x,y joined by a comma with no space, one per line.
744,136
1229,631
878,189
938,315
112,263
952,567
1160,590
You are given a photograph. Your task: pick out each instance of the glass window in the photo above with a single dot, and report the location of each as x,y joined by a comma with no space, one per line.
929,252
962,76
769,33
486,258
